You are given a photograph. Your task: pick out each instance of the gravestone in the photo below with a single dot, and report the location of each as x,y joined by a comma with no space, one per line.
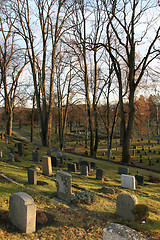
59,154
125,204
150,163
20,149
93,165
139,179
54,161
145,153
47,166
84,170
100,174
22,212
142,148
62,160
140,161
35,156
108,190
11,157
63,183
128,181
154,151
65,157
157,160
122,170
86,163
77,165
32,176
72,167
134,147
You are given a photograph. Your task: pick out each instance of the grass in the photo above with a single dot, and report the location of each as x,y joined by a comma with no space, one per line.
84,221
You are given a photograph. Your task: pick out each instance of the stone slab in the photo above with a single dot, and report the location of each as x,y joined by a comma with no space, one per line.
63,182
22,212
47,166
128,181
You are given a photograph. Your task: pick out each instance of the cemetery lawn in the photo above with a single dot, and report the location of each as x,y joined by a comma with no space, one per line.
81,221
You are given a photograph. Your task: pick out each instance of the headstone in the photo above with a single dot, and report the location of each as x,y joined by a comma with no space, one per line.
142,148
133,152
140,161
59,154
11,157
100,174
77,165
86,163
72,167
84,170
128,181
115,231
134,147
145,153
154,151
150,163
138,151
103,154
54,161
20,149
125,204
32,176
157,160
65,157
150,150
63,182
35,156
139,179
46,165
122,170
22,212
93,165
149,158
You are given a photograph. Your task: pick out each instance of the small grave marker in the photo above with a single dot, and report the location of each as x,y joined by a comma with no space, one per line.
128,181
100,174
11,157
35,156
21,149
84,170
32,176
139,179
63,182
125,204
122,170
22,212
47,166
72,167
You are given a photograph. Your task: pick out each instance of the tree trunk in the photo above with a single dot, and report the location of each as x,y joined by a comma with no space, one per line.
8,122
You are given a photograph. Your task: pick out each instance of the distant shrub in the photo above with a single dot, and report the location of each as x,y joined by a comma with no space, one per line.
83,197
141,212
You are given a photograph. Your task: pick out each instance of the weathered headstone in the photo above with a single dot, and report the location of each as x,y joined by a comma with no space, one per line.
47,166
20,149
133,152
157,160
150,163
100,174
139,179
86,163
54,161
93,165
61,160
63,182
128,181
108,190
11,157
122,170
84,170
22,212
125,204
72,167
32,176
78,166
35,156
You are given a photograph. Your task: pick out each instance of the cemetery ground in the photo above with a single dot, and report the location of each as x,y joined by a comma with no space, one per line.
73,221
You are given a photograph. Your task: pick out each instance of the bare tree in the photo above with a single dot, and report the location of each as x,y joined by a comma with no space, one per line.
42,23
12,63
124,36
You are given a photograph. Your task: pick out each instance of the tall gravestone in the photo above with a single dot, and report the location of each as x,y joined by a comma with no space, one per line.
54,161
20,149
125,204
47,166
63,182
22,212
32,176
35,156
100,174
84,170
